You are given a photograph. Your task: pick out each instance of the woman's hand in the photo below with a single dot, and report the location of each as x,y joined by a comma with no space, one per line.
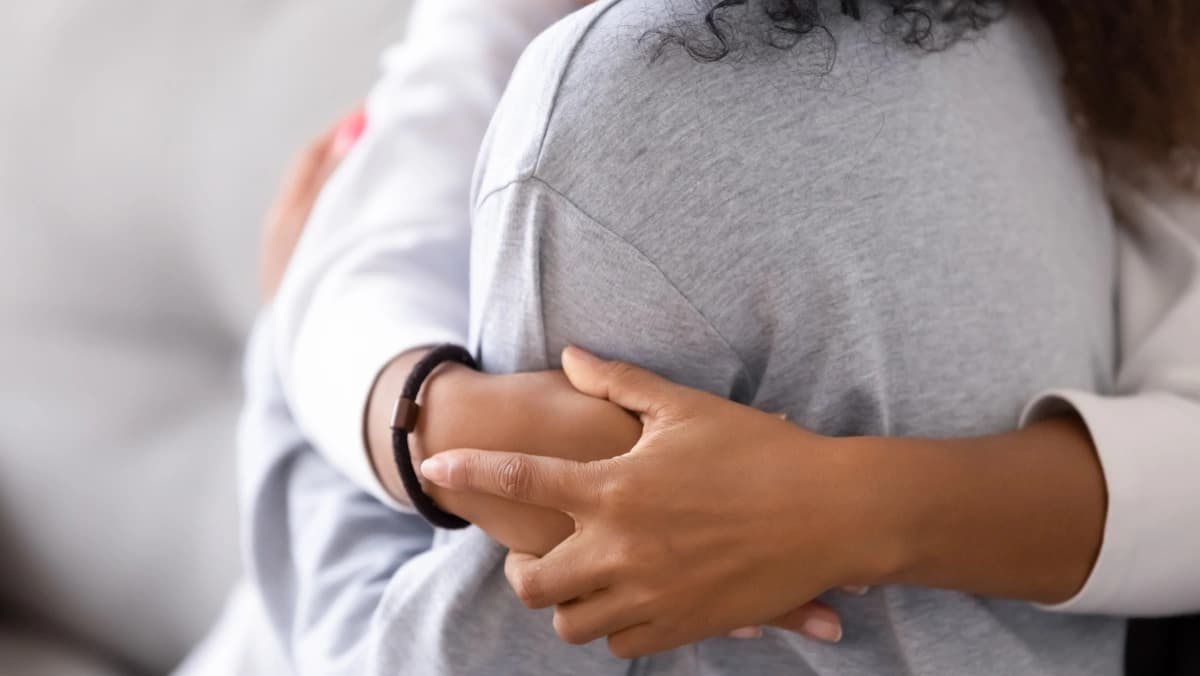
293,205
720,517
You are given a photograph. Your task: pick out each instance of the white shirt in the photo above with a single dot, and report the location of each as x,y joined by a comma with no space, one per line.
383,269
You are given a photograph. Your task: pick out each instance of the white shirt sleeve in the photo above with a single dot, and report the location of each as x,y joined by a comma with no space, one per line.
1147,434
382,267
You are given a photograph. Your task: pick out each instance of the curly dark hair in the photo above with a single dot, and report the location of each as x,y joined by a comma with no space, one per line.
1131,67
929,24
1132,70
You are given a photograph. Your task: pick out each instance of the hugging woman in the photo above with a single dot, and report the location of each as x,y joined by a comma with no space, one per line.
875,218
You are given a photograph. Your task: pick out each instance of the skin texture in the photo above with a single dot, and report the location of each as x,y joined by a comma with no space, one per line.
1017,515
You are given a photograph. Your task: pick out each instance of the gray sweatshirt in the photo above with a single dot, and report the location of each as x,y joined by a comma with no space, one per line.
908,244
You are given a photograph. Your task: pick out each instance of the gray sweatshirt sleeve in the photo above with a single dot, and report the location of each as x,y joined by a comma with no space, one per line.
319,551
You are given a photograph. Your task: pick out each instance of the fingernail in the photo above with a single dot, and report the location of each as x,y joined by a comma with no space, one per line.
747,633
822,629
580,354
857,591
348,132
437,470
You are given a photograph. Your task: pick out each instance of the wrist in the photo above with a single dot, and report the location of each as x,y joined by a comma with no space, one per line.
451,395
447,389
887,511
1016,515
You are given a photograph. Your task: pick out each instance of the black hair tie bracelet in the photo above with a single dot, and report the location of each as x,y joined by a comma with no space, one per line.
404,421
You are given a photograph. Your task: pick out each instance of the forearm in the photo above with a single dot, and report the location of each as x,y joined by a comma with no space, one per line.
1017,515
537,413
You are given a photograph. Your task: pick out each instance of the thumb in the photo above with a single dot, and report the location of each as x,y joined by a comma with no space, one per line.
632,388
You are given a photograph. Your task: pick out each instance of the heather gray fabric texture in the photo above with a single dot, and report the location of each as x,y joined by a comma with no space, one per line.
909,244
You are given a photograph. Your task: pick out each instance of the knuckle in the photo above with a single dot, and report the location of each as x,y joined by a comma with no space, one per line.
617,491
516,478
621,561
666,412
524,582
624,555
570,630
609,491
618,370
645,600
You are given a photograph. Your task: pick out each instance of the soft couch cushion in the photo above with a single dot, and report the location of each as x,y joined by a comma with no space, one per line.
140,143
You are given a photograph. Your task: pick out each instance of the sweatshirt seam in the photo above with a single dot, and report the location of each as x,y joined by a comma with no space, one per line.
529,170
641,254
560,78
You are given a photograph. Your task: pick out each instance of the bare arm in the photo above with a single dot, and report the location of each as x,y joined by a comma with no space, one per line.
538,413
1016,515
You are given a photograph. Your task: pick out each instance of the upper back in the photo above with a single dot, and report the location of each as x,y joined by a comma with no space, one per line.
909,243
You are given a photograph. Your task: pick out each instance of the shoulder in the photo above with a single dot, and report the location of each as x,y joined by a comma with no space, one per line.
514,137
594,65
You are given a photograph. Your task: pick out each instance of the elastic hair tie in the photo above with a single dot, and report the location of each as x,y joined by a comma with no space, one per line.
404,422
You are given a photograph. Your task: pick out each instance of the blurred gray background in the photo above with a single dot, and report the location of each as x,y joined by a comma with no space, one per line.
140,145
